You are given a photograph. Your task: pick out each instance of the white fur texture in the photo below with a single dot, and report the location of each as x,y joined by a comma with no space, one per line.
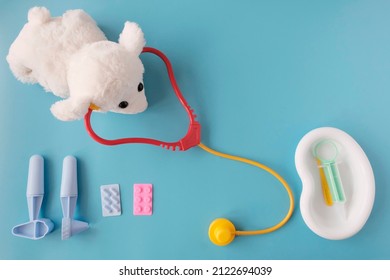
71,57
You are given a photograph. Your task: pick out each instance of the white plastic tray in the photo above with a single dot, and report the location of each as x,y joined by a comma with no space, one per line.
341,220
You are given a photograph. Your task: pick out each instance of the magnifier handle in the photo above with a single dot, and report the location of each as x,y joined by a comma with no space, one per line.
333,178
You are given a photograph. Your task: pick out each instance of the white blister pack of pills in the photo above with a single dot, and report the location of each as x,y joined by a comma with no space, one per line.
111,200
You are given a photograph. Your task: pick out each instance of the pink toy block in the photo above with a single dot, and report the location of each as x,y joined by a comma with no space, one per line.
143,199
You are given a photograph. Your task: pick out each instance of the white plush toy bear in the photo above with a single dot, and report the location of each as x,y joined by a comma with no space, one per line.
71,57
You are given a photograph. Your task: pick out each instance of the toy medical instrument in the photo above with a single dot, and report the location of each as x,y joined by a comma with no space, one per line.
36,228
69,195
221,231
329,145
326,153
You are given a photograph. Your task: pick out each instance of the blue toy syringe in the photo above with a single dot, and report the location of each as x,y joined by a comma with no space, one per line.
69,195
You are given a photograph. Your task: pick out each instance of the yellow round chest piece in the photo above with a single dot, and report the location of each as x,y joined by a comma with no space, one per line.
222,232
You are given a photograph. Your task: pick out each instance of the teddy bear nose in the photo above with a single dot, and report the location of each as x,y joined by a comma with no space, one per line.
123,104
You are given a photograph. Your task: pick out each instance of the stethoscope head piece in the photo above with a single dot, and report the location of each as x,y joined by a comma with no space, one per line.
222,232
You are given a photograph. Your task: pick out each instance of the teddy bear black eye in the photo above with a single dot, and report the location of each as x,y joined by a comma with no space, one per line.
140,87
123,104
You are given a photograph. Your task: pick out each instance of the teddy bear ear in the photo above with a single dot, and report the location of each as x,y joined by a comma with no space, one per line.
132,38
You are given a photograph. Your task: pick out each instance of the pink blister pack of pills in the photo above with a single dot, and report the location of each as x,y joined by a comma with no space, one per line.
143,199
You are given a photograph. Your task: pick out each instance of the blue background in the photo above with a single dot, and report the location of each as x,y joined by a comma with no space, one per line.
260,75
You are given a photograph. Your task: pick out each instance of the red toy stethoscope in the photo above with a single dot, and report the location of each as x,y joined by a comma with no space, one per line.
221,230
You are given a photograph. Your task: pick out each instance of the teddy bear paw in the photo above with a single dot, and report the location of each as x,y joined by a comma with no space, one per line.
66,110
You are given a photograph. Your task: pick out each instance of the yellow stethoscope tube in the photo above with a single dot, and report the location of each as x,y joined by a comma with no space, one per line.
222,231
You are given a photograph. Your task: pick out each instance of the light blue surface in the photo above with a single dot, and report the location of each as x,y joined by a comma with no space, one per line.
260,75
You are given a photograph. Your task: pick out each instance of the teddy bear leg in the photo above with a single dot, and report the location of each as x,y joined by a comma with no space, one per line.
69,109
38,15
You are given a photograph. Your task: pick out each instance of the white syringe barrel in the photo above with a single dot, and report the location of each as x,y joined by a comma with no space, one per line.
69,177
35,181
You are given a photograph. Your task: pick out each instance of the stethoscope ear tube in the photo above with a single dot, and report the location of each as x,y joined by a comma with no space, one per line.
191,139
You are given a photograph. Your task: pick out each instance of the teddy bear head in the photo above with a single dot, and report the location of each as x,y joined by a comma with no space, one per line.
106,76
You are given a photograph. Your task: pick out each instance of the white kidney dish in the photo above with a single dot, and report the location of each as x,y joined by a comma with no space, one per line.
337,193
